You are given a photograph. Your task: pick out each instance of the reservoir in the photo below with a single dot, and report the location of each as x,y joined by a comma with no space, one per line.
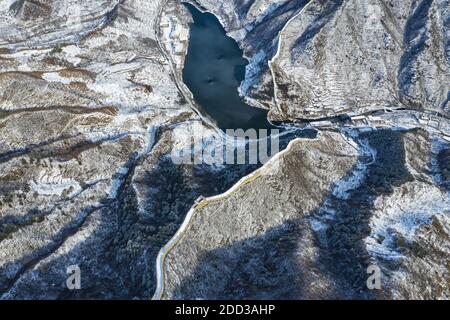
213,71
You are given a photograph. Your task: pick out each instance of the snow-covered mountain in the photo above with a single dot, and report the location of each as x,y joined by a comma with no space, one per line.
92,104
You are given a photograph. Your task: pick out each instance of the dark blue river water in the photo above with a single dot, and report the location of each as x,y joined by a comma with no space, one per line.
214,70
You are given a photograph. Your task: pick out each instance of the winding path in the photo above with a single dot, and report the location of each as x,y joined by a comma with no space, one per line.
159,292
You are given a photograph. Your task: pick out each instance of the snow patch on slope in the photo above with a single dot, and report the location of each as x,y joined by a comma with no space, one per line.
400,214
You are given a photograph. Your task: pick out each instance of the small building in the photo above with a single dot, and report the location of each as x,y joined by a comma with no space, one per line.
359,120
434,123
184,35
322,124
165,22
